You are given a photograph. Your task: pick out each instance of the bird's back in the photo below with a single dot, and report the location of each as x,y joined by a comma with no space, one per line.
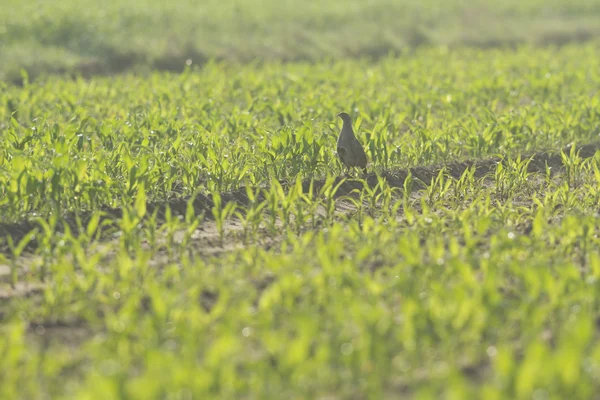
359,154
350,150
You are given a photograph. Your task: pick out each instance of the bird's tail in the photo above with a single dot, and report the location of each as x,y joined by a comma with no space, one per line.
365,170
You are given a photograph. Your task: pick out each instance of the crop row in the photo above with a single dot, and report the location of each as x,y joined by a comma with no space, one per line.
82,145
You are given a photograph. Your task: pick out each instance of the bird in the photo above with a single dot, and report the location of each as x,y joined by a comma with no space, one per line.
349,149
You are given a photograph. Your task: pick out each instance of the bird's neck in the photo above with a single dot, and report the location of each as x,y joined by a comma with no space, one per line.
348,129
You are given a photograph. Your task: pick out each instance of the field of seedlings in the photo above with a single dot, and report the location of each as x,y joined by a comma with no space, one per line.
193,235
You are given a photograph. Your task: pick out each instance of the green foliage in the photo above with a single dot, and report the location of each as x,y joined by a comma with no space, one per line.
190,236
75,145
78,36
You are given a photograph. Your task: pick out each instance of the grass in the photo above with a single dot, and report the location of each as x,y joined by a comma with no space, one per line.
189,235
76,145
81,37
469,287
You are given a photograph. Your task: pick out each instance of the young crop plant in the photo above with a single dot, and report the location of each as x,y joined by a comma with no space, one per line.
191,235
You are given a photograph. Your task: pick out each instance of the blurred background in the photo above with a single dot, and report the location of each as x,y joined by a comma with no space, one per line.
89,38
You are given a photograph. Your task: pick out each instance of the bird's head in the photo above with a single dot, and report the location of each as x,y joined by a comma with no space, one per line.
345,117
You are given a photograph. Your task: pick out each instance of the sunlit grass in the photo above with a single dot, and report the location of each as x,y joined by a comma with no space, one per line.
74,145
464,285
